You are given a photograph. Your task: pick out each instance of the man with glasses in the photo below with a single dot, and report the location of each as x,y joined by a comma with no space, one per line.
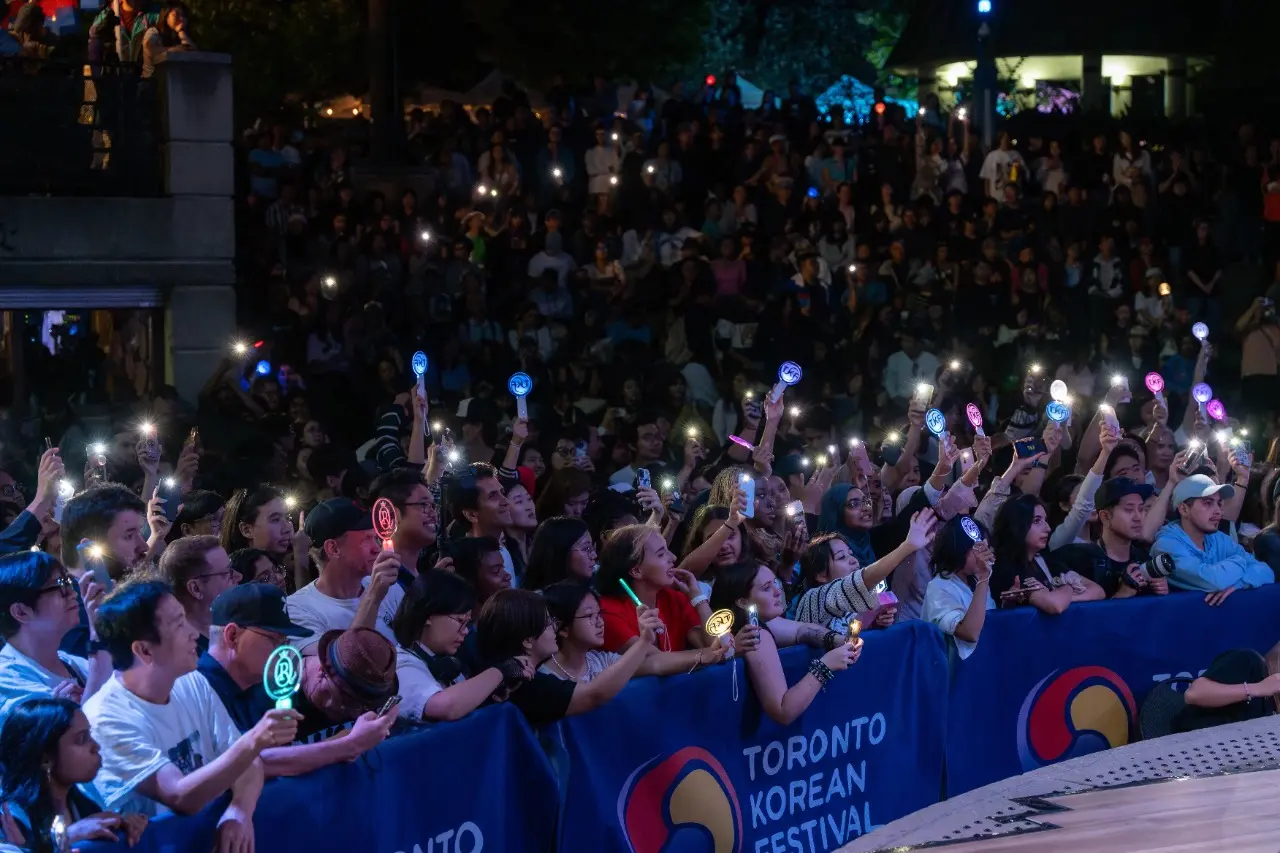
38,606
199,571
249,623
419,520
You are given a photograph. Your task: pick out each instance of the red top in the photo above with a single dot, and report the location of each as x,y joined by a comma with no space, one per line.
621,622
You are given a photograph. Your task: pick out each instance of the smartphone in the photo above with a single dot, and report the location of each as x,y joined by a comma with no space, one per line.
924,393
388,706
643,480
966,460
580,450
95,564
1028,447
795,509
193,436
753,616
855,628
748,486
171,492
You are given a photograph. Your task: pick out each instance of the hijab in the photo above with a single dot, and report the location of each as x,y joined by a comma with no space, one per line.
831,520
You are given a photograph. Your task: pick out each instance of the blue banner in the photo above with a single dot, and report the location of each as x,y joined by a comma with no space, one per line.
1043,689
685,767
482,783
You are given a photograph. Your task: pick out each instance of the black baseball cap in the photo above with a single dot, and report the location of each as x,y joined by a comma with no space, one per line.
256,605
1112,491
334,517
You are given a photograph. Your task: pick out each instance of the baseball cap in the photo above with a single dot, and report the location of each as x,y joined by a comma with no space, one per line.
362,659
256,605
1201,486
1112,491
334,517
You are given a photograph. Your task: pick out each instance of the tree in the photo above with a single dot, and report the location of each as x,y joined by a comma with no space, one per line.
303,49
577,39
813,41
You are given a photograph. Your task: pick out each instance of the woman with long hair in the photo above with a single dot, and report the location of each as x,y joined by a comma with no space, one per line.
433,621
580,655
1023,571
636,558
752,593
562,550
518,536
260,519
46,752
838,587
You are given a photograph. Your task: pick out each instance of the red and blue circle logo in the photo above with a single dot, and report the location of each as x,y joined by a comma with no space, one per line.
683,802
1073,713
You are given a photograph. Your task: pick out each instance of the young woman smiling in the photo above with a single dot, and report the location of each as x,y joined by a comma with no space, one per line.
751,585
575,607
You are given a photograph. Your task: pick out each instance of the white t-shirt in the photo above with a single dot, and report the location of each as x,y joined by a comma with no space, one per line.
946,601
21,677
417,684
311,608
139,738
996,169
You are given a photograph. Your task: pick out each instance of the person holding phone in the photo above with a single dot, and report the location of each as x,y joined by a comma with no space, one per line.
749,587
1025,573
250,622
38,607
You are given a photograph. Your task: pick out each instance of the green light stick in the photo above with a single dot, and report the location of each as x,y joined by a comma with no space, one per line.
282,676
628,591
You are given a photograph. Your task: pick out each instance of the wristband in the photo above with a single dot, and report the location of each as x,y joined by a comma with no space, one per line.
821,671
696,600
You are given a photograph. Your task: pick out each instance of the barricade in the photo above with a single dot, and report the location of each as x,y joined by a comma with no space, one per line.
678,765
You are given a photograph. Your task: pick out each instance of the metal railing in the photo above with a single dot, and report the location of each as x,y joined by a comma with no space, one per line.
71,128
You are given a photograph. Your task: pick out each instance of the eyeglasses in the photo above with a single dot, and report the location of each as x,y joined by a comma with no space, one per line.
589,548
63,584
598,616
274,639
421,506
11,490
464,623
213,575
865,503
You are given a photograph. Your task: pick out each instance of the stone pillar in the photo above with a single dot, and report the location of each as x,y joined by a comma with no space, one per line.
199,174
1094,97
1175,88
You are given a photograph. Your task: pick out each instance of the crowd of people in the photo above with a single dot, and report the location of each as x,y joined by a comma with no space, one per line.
976,426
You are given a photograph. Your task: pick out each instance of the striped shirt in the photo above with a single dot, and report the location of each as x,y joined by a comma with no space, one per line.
836,603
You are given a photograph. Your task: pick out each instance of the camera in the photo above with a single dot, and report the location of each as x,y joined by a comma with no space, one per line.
1158,566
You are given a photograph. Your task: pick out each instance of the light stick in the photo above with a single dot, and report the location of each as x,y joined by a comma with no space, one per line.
1216,410
1155,384
520,384
386,519
1058,390
719,624
742,442
1057,412
1201,332
789,373
1202,394
419,364
282,676
937,423
975,417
